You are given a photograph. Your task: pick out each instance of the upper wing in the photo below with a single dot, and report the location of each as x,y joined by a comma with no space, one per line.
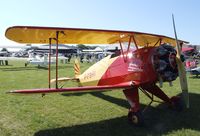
74,89
29,34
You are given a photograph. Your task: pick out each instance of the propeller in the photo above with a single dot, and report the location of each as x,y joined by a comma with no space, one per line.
181,70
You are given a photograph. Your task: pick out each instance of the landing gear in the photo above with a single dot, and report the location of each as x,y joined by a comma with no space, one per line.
134,115
135,118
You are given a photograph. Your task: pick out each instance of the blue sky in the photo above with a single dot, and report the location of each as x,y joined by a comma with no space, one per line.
151,16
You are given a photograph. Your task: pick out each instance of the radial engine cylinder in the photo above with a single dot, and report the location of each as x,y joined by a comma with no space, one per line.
164,62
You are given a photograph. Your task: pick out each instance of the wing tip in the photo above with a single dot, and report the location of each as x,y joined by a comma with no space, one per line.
11,92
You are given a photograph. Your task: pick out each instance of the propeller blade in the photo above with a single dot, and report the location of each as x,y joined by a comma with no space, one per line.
181,70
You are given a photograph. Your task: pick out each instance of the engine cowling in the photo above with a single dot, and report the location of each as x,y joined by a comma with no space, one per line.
164,62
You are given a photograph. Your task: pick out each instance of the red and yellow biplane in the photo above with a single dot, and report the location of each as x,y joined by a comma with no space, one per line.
154,60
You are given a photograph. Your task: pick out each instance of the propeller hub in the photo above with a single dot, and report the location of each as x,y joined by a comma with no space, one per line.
164,62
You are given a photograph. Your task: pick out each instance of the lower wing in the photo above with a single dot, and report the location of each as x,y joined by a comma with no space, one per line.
74,89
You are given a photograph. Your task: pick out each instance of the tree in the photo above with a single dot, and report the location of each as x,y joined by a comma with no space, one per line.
4,49
82,46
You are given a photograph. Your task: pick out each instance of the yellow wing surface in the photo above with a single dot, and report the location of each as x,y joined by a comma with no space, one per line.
30,34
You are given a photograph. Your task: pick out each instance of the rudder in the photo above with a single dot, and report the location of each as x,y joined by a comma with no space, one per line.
77,70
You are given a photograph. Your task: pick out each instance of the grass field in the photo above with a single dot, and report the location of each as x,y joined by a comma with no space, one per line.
85,114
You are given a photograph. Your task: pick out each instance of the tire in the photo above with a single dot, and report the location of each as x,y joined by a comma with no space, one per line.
135,118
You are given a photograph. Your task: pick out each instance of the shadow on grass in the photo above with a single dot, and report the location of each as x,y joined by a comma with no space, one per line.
159,120
120,102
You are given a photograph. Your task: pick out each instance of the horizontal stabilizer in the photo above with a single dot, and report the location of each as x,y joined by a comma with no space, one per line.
63,79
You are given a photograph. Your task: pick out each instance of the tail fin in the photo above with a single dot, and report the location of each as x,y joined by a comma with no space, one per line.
77,70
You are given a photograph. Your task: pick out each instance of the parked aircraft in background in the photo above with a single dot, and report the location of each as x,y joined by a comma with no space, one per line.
40,61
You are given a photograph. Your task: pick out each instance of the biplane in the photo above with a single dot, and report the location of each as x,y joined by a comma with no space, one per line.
154,60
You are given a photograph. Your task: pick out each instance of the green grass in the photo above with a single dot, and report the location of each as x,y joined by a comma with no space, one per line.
85,114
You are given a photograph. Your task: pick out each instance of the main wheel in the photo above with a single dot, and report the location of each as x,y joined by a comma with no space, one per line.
135,118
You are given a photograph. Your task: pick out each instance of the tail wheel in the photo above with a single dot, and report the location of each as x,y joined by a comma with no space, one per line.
135,118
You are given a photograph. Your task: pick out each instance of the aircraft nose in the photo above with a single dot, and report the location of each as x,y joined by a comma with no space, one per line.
164,62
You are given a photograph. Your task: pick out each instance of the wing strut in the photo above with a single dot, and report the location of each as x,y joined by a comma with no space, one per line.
57,40
159,41
57,34
120,43
129,44
50,62
135,42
